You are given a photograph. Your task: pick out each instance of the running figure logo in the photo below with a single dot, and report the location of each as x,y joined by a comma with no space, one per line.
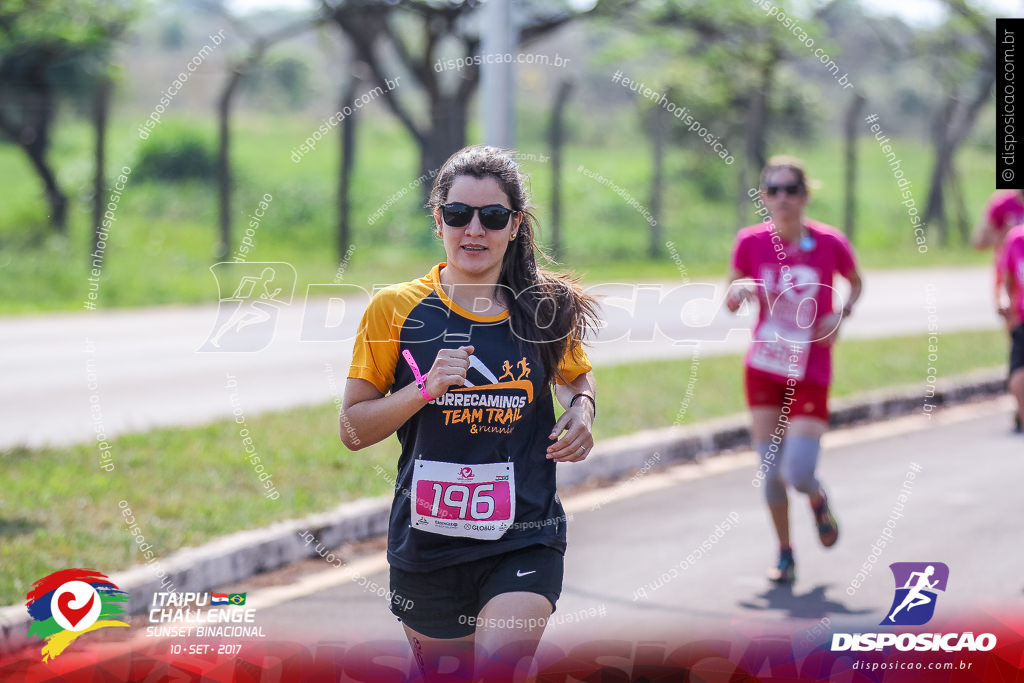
524,370
251,296
916,583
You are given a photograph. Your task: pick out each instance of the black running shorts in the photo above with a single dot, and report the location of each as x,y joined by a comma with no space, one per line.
1017,348
445,603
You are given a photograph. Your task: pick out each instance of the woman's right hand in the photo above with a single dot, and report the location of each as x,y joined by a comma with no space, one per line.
736,296
449,369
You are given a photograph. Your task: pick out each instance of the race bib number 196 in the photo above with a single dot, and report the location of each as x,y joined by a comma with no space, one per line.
472,501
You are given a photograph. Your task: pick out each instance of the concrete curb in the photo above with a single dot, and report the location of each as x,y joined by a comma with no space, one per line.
620,456
227,560
241,555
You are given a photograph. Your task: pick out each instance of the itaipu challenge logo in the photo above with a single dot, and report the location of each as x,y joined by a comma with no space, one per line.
70,603
916,586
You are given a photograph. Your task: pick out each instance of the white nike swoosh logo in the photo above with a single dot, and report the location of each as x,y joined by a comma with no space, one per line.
519,573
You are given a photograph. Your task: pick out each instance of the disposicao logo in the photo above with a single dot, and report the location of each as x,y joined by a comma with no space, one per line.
916,583
72,602
914,605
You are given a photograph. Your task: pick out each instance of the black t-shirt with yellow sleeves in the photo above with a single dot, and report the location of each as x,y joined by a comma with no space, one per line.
507,414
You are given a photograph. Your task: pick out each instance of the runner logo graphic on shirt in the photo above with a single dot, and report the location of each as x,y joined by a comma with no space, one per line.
803,284
489,407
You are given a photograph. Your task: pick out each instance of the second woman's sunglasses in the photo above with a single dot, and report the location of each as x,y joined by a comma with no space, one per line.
492,216
793,189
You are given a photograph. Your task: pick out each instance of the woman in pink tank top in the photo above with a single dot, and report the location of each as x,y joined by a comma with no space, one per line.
788,264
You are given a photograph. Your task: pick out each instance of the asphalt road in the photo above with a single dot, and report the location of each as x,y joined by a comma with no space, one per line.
68,376
962,509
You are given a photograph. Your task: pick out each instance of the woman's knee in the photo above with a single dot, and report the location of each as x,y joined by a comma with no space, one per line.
800,463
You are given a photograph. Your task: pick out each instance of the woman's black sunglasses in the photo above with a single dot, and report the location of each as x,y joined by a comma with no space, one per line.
492,216
793,189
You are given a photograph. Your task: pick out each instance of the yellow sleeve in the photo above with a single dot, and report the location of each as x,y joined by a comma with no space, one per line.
376,349
574,363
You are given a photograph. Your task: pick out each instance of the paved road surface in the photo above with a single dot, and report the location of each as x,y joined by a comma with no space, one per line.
142,369
962,510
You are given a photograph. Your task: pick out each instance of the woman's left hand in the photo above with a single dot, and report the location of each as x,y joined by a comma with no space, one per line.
577,441
826,330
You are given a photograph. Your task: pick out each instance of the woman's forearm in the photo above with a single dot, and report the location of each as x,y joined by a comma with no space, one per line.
584,384
374,420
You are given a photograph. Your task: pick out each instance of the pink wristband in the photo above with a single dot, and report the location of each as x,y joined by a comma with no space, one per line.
421,380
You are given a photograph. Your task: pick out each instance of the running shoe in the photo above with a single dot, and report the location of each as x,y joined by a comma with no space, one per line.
828,527
785,572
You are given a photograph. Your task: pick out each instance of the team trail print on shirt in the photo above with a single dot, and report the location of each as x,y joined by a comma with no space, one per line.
489,408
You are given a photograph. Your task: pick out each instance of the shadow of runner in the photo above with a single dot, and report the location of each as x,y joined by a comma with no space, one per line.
810,605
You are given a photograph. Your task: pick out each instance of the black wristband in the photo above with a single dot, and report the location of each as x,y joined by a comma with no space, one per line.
573,401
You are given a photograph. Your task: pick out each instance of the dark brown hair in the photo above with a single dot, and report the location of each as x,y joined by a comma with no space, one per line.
792,163
547,309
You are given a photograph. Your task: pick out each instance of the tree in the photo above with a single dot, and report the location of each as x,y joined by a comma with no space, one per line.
281,82
347,156
100,115
237,70
556,138
657,126
50,49
409,34
956,116
724,72
851,125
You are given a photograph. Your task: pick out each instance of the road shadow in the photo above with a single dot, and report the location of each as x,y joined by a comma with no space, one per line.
17,526
810,605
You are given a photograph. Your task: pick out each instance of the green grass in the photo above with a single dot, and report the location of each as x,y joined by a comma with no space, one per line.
164,237
189,485
858,366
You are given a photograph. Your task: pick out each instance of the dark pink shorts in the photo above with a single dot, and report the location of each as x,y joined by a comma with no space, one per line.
768,391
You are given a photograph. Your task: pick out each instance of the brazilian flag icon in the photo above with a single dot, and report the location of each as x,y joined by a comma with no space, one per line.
237,598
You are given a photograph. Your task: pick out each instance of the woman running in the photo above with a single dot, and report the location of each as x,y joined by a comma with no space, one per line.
1005,209
789,365
477,532
1010,266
